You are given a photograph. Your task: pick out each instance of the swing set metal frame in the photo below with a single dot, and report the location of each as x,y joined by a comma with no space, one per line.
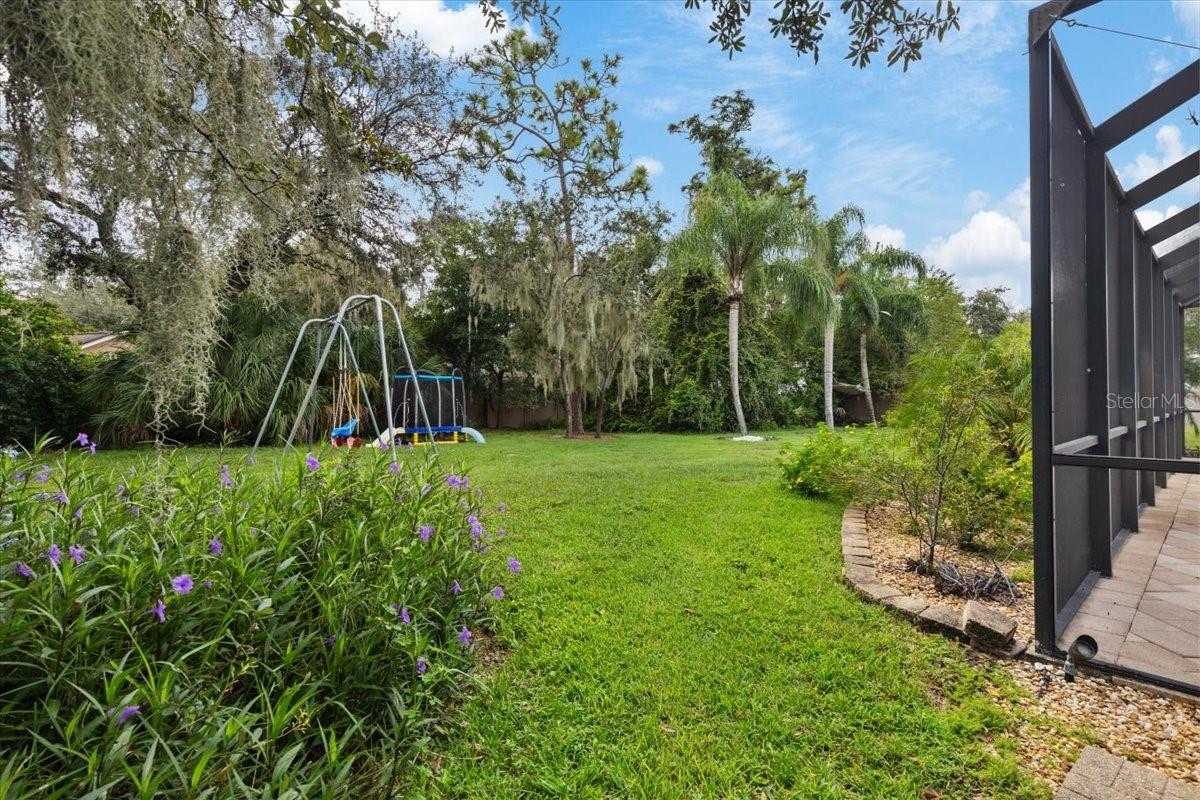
336,325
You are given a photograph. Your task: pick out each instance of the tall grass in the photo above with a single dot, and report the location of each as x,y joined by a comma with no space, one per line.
183,631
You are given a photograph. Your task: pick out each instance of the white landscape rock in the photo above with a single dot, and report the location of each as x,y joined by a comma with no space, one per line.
749,438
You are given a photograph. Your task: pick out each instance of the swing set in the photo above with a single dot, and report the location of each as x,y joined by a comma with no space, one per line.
350,394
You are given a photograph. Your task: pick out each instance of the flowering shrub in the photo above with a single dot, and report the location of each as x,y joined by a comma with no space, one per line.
184,630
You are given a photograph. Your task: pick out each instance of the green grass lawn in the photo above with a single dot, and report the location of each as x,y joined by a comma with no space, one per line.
680,631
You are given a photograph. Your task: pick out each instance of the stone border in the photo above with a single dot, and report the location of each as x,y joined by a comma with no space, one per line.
858,570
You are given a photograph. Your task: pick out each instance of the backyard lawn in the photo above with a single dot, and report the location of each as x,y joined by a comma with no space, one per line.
680,630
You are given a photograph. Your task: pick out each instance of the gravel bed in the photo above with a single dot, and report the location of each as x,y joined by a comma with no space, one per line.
1057,719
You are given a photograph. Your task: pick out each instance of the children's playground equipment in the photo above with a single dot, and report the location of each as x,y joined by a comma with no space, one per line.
350,393
446,396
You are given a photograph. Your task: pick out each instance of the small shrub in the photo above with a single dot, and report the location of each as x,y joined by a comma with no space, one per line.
825,464
189,631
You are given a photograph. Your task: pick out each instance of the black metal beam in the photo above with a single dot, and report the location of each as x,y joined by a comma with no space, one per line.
1180,255
1182,272
1170,178
1043,17
1150,107
1175,224
1124,462
1096,292
1041,352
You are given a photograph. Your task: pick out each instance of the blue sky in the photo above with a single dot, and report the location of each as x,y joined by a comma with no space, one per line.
937,157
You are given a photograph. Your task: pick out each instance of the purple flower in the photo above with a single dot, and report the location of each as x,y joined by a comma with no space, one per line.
425,489
312,463
502,507
404,617
91,448
514,566
215,547
501,533
477,530
78,514
135,510
457,482
81,439
128,712
384,447
226,481
120,490
43,476
456,587
498,593
207,583
20,476
77,554
472,519
62,498
464,636
426,533
422,665
330,640
53,555
159,610
394,468
182,584
23,570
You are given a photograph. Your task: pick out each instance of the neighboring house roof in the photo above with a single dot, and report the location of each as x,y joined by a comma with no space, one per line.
95,342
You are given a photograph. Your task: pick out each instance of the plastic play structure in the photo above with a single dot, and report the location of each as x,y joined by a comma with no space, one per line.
412,425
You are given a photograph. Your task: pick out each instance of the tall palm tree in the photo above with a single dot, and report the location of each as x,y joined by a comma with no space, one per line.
837,248
739,236
883,297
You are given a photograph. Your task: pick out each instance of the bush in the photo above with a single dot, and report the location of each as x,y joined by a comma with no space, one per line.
184,631
40,371
825,464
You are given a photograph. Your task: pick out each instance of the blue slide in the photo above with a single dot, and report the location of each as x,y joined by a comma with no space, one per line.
474,434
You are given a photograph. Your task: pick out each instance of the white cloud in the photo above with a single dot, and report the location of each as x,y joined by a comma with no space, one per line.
1188,14
652,165
1016,205
977,200
991,241
777,132
992,249
446,30
885,235
1168,142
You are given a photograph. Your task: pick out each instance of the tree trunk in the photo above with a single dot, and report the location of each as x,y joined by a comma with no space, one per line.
568,395
735,304
577,413
499,401
829,372
599,419
866,375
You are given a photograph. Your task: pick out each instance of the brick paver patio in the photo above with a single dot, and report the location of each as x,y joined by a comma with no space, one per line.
1147,616
1099,775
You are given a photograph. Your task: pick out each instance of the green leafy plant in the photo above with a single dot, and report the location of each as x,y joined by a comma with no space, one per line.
825,464
187,631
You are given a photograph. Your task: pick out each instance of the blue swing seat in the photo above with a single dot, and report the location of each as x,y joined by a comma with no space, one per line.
345,430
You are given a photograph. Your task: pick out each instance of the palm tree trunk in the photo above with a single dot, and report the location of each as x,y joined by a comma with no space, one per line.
866,375
734,384
829,372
